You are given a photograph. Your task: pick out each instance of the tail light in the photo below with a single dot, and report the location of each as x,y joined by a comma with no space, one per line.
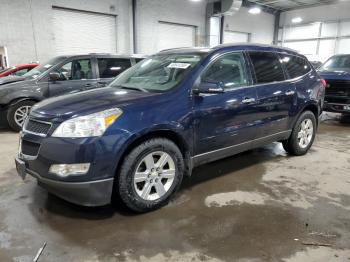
323,83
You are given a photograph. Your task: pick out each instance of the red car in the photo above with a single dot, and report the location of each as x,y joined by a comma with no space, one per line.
17,70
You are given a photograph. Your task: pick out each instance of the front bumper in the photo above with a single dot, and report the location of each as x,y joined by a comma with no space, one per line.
38,153
91,193
336,108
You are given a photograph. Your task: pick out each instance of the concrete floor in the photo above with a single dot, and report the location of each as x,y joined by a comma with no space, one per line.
262,205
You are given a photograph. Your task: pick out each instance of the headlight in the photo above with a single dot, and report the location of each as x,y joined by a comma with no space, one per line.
89,125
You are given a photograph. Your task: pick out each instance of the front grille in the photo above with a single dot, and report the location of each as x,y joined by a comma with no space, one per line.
37,127
338,91
30,148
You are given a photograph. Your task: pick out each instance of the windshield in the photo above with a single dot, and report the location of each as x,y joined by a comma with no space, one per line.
158,73
337,63
35,72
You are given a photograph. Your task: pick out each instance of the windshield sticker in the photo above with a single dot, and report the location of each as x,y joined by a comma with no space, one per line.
47,66
179,65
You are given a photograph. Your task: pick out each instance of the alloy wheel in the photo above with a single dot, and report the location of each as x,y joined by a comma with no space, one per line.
305,133
154,175
21,114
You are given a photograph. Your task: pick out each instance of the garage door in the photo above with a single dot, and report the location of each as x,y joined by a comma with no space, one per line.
175,35
82,32
236,37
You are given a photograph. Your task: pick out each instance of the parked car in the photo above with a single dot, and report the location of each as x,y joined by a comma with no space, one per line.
180,108
60,75
336,72
17,70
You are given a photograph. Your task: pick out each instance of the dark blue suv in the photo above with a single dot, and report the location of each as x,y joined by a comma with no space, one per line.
180,108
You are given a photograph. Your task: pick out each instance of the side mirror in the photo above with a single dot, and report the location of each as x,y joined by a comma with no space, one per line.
54,76
209,87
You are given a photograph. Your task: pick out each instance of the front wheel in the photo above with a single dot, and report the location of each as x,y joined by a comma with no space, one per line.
150,174
302,136
17,113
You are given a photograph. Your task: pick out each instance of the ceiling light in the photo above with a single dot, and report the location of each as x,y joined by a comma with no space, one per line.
254,10
196,0
296,20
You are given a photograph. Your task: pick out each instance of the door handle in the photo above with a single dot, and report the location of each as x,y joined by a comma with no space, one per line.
290,93
88,85
248,100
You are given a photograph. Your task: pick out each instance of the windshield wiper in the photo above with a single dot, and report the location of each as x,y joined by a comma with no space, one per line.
133,88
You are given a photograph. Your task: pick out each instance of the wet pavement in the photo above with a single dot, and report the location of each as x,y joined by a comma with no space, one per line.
261,205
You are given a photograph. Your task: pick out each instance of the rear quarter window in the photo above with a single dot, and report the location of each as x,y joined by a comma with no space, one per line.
267,67
296,66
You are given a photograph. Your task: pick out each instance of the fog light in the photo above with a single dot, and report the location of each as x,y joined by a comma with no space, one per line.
69,169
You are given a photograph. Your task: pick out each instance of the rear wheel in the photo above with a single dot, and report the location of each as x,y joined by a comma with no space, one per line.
150,174
302,136
17,113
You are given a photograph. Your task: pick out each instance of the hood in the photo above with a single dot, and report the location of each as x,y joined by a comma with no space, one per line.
15,86
11,79
87,102
335,75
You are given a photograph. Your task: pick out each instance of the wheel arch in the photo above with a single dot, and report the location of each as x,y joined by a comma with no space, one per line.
313,108
169,134
20,99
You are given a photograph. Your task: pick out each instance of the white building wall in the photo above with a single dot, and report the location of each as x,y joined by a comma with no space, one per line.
26,26
260,26
150,12
323,32
338,11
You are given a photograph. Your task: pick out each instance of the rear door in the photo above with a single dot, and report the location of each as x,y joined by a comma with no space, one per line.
75,75
109,68
275,95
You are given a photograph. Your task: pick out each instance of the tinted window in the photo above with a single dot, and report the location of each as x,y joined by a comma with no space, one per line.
296,66
267,67
228,69
111,67
76,70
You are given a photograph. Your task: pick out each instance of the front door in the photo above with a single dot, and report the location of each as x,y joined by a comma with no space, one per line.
225,119
75,76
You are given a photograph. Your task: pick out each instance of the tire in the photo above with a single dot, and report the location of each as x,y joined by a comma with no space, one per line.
15,112
300,140
136,179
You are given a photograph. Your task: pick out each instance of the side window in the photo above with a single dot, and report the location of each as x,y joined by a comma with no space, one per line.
296,66
228,69
267,67
76,70
111,67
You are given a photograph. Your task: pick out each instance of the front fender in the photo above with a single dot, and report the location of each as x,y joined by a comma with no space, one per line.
14,97
177,130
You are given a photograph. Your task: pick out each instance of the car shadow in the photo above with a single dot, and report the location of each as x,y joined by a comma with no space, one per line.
202,174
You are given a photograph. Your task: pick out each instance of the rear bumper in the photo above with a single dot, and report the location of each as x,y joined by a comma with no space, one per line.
335,107
91,193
